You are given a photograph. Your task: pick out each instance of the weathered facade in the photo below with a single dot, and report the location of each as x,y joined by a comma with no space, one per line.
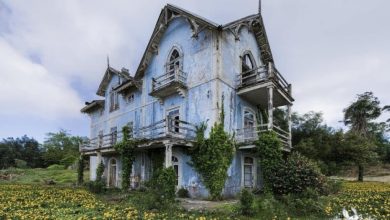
190,65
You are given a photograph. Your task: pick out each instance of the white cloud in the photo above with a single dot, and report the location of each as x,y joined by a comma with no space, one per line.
28,89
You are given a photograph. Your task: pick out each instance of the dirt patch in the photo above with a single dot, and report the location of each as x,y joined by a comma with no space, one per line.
384,179
197,205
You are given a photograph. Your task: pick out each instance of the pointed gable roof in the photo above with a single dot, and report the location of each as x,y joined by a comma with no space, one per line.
255,24
107,78
169,13
198,24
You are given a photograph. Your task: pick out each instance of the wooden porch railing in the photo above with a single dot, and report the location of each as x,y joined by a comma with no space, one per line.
171,76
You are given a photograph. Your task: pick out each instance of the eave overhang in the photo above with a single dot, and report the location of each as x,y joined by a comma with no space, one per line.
92,106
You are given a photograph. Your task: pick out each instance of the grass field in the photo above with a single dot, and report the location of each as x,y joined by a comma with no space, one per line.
26,196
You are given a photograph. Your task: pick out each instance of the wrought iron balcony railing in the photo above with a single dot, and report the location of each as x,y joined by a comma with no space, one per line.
263,74
251,134
169,83
168,127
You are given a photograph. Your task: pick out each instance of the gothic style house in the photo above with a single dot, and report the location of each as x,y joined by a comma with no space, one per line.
189,65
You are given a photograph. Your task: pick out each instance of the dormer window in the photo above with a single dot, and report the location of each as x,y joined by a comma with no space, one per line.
114,101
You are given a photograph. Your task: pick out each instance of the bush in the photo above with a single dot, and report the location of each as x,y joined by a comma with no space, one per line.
69,160
20,164
268,207
332,186
307,203
99,171
183,193
296,175
163,186
55,167
95,186
246,202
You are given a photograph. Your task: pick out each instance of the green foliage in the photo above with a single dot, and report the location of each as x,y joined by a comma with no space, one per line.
80,170
20,163
55,167
126,148
307,203
296,175
183,193
267,207
246,202
269,152
99,171
23,148
161,189
61,147
95,186
211,157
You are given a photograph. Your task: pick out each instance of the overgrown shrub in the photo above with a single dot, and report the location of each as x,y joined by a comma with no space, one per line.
20,163
126,148
163,187
183,193
213,154
80,170
269,152
267,207
68,160
306,203
95,186
332,187
296,175
55,167
246,202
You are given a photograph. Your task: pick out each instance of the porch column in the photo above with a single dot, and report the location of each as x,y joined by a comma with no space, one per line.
270,107
289,124
168,155
99,157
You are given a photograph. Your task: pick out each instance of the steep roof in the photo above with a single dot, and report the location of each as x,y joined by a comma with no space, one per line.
198,24
107,78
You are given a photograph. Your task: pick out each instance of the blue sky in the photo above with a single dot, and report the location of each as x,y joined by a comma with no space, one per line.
53,53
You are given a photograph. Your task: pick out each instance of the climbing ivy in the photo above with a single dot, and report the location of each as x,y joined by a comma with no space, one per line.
269,152
126,149
80,170
211,157
99,171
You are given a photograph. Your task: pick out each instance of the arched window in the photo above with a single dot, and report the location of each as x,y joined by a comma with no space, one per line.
174,61
248,69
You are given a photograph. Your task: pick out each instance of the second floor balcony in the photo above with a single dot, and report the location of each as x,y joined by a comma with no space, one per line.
249,135
166,128
253,86
173,81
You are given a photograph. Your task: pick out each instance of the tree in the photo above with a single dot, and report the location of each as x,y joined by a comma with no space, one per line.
358,117
61,148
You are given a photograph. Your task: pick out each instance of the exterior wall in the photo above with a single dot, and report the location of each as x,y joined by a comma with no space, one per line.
212,63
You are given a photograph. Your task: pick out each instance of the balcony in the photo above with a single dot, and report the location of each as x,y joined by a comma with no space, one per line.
173,81
247,136
253,86
167,128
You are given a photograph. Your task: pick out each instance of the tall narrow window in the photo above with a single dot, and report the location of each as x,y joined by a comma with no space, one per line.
248,172
175,165
114,101
248,74
174,65
249,125
114,135
174,123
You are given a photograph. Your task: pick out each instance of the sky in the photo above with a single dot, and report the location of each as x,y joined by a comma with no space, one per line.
53,53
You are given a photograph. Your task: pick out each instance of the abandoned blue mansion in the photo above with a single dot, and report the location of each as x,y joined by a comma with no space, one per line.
189,65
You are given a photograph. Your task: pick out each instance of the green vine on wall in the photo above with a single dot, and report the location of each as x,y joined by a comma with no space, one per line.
269,152
80,170
99,171
211,157
126,149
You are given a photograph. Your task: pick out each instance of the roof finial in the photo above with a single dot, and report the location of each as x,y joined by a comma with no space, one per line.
259,6
108,61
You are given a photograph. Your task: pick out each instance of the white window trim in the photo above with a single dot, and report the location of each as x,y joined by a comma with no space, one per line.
254,170
243,116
